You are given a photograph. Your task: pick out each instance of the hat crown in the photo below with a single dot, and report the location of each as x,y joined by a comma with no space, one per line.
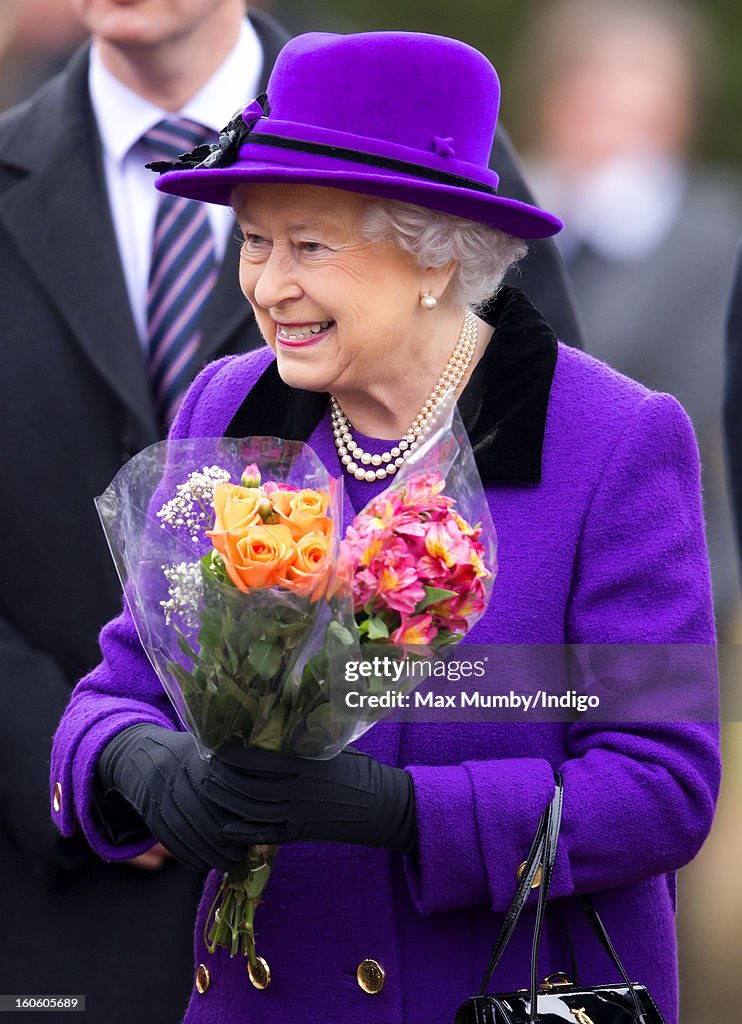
394,115
408,89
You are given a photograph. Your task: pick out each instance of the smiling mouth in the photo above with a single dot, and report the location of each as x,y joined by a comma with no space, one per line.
297,335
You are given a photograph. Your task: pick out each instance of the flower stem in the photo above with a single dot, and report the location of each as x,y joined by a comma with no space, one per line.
230,925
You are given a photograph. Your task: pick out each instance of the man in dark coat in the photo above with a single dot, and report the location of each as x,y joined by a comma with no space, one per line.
75,404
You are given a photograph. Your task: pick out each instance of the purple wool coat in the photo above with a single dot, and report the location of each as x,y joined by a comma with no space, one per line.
593,485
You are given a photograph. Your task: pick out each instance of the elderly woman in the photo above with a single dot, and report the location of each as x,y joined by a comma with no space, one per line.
375,244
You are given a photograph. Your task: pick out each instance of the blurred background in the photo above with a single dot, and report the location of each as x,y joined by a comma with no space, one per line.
627,118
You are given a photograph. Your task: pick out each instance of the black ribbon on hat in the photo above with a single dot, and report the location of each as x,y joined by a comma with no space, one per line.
226,150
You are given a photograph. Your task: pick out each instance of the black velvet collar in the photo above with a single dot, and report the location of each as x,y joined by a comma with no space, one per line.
503,406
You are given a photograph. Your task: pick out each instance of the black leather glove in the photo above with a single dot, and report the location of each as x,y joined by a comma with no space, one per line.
161,775
281,798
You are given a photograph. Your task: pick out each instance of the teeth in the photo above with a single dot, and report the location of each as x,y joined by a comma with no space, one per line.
296,333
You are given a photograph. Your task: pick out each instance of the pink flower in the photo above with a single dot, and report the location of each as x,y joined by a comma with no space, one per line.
390,579
466,528
413,528
445,541
471,604
403,599
250,476
271,487
451,612
389,514
410,538
424,489
435,572
418,629
364,589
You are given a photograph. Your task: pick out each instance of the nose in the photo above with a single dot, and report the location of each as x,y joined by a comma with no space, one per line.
276,282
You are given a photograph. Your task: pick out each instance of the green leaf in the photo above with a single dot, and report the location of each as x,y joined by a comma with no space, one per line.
265,658
377,629
446,637
244,641
233,661
212,568
181,675
319,732
269,735
210,634
339,633
432,596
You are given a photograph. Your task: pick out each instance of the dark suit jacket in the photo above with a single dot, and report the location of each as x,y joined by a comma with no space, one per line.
74,406
733,398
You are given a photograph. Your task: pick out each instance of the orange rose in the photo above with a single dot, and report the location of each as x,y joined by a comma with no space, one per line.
236,511
307,574
302,511
255,559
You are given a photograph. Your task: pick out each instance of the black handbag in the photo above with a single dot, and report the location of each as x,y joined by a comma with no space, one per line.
557,999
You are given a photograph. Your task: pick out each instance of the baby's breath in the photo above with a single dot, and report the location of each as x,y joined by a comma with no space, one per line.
185,590
191,510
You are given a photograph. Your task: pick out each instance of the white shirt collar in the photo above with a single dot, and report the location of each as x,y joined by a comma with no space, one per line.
123,116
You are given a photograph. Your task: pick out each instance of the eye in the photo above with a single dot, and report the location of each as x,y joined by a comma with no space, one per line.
253,245
312,247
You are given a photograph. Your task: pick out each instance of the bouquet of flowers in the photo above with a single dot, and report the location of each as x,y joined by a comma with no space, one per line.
417,566
246,595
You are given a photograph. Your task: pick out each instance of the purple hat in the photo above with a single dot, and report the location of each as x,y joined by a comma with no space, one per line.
399,115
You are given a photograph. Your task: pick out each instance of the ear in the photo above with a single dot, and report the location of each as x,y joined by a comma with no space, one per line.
436,280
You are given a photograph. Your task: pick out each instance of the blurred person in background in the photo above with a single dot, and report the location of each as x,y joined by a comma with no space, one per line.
650,236
37,37
102,331
100,337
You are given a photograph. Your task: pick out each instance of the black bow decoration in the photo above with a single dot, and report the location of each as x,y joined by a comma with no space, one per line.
224,152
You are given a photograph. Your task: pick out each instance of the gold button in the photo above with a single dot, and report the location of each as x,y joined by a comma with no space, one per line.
371,976
203,979
536,878
260,974
57,800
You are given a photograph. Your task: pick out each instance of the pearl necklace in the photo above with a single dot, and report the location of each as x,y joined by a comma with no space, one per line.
355,459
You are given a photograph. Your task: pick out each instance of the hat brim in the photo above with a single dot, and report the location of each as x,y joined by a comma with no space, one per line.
215,185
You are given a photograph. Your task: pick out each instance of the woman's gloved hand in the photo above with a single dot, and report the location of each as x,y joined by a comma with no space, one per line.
281,798
160,774
207,811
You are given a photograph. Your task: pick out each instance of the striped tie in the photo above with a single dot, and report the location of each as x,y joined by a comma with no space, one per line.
182,273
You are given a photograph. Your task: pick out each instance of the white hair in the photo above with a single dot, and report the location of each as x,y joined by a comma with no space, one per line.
483,254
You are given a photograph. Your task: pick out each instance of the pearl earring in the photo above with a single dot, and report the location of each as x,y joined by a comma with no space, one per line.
428,301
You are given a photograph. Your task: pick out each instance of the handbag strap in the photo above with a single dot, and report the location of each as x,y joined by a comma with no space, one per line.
543,852
574,972
551,841
593,919
517,904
